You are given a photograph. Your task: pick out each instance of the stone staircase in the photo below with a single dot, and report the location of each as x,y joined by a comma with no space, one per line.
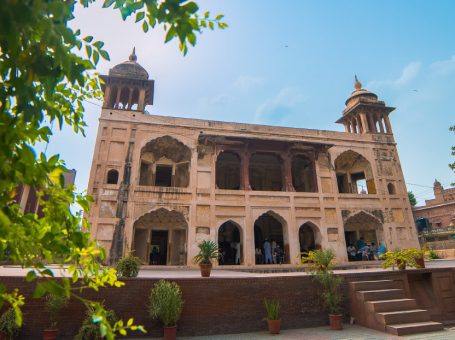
383,305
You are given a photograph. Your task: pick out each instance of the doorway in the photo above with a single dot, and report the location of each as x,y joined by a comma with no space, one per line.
158,247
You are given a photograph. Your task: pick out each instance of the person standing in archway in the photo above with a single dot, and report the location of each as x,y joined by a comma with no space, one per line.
237,252
267,252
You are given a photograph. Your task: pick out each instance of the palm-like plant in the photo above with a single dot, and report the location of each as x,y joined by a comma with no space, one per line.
208,250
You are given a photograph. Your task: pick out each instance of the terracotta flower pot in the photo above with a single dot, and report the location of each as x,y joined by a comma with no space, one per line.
206,268
420,261
170,333
50,334
274,326
336,322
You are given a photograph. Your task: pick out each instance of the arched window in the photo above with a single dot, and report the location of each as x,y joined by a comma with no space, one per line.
354,174
391,189
112,176
303,175
265,172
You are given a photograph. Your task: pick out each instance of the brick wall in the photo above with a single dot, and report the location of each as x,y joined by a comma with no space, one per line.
212,306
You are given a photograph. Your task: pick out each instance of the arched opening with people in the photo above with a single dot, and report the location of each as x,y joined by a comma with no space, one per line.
309,237
270,239
363,234
230,244
160,238
354,174
228,171
165,162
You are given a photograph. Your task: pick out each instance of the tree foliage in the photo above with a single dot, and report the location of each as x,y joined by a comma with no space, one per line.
412,199
46,74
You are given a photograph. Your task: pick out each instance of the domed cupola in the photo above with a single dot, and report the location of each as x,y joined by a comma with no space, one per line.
364,113
129,69
127,87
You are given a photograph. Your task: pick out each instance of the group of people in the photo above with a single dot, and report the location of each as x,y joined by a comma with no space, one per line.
362,251
229,253
271,252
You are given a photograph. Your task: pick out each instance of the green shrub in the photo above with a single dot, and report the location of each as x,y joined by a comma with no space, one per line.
318,260
54,303
401,258
90,330
331,293
8,324
128,266
208,250
166,302
272,308
432,255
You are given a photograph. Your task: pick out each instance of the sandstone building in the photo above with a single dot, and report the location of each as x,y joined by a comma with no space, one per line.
440,211
168,183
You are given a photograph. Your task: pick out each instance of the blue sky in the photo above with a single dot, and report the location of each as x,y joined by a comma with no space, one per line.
292,63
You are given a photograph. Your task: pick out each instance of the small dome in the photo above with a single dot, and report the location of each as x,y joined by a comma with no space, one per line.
360,94
130,69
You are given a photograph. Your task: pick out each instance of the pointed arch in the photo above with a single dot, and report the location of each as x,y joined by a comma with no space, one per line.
230,243
309,237
354,173
271,238
160,237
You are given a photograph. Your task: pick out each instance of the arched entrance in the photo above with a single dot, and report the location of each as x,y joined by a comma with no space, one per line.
230,244
160,238
309,237
269,227
362,228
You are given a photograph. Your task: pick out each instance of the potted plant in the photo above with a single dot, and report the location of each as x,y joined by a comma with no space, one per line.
128,266
331,296
90,330
401,258
54,304
208,250
9,329
166,304
272,308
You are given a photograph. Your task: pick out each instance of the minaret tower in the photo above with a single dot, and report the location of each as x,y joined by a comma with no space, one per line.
364,113
127,87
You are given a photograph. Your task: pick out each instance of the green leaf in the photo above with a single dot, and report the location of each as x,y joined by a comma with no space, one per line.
96,57
108,3
88,49
219,17
191,38
211,25
98,44
31,275
39,291
145,26
88,39
170,34
104,55
139,16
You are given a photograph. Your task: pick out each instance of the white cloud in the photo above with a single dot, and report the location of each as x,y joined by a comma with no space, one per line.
246,83
275,110
443,67
408,74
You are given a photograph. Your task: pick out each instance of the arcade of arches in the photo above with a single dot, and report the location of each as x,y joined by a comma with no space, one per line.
230,244
160,238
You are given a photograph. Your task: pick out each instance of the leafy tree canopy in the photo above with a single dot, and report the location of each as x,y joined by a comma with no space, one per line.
412,199
46,73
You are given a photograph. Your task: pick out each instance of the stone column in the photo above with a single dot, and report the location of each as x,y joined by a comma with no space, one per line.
245,173
130,99
287,172
141,100
117,100
107,94
363,118
387,124
359,124
373,123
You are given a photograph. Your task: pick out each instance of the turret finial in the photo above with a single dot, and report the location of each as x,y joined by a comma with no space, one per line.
357,84
133,56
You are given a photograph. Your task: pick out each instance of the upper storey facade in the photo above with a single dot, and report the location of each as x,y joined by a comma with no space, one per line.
167,183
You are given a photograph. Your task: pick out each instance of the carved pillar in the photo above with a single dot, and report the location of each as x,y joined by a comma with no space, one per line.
287,173
373,123
245,174
387,124
354,126
364,122
359,124
117,100
141,100
130,99
346,127
107,94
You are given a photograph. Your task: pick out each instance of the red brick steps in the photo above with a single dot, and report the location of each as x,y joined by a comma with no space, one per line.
383,305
